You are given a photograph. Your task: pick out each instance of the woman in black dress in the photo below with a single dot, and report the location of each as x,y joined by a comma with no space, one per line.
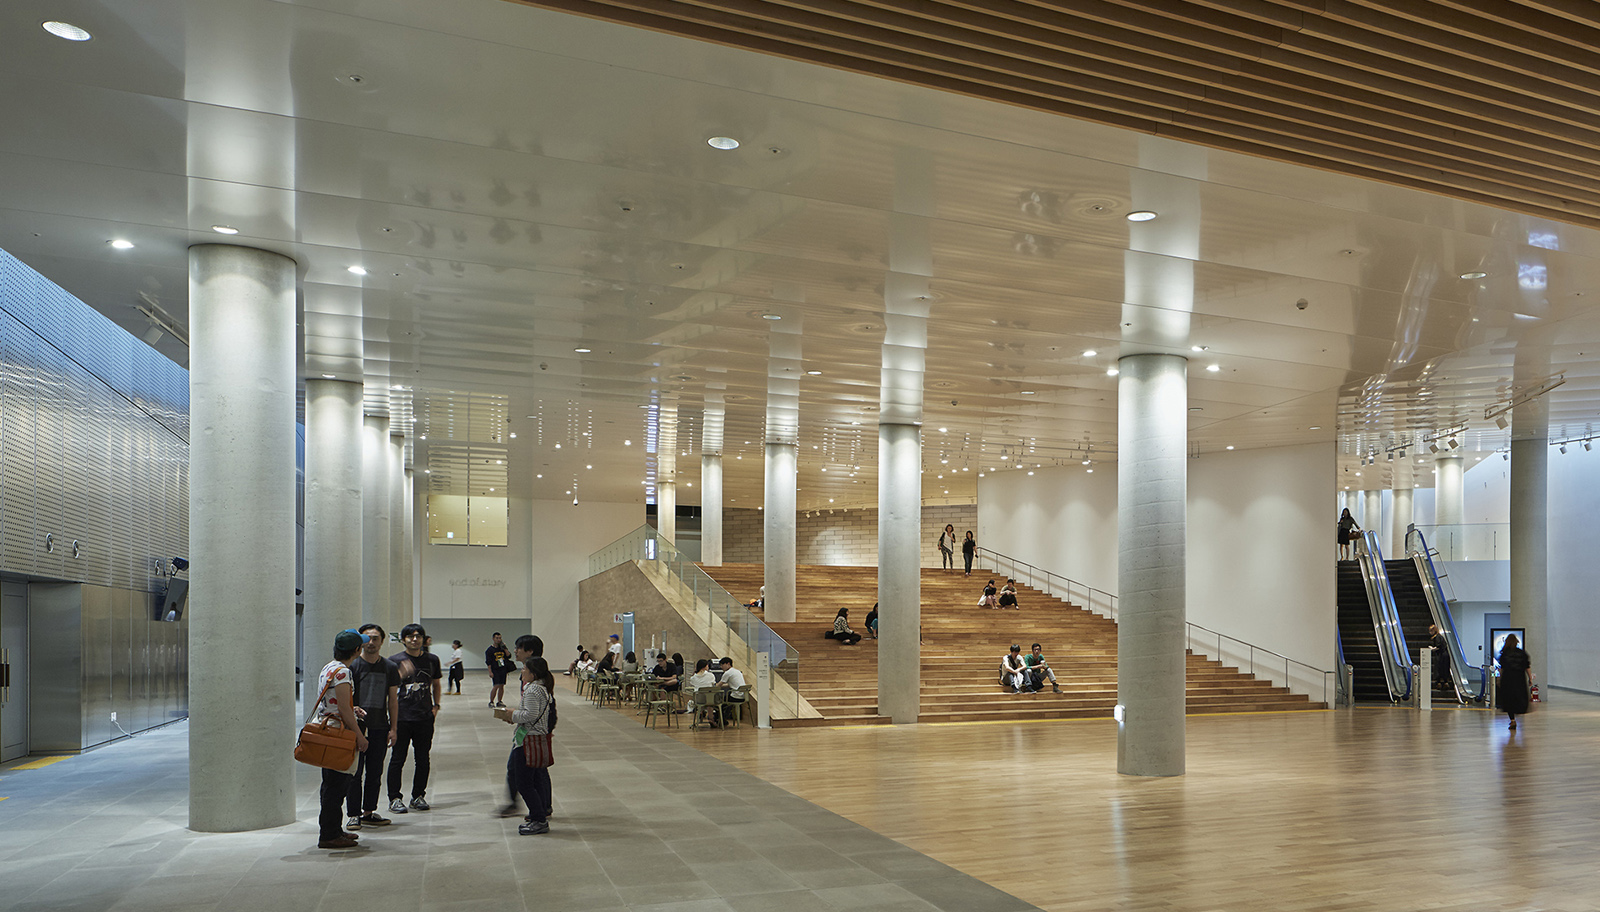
1516,678
969,550
1347,525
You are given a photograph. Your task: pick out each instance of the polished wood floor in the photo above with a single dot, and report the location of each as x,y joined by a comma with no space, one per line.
1381,809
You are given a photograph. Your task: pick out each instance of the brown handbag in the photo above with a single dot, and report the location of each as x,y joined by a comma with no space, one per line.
326,743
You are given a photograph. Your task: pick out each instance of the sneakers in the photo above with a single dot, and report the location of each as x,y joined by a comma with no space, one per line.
354,823
371,818
345,841
397,806
419,803
1057,687
533,828
509,810
491,704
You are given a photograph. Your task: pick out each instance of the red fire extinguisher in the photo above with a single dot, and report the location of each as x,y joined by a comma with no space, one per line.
1533,693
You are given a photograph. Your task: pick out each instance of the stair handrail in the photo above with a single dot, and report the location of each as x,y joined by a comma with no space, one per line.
1325,674
646,544
1106,605
1109,602
1392,652
1439,599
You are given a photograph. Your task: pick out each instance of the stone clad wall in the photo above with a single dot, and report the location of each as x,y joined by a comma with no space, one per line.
842,538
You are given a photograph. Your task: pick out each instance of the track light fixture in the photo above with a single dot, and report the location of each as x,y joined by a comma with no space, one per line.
1454,443
1433,447
1501,422
1586,446
1563,448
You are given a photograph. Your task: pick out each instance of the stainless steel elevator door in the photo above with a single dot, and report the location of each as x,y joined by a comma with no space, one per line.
14,646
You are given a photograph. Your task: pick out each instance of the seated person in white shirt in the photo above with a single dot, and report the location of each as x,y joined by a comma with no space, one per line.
1014,672
702,676
733,679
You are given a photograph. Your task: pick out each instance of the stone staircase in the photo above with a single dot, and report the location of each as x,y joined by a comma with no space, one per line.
962,646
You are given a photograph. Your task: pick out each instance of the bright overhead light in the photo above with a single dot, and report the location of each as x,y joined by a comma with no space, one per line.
1090,353
1141,215
583,351
771,317
1230,447
1027,392
627,443
1316,427
224,229
327,376
1213,368
356,270
944,430
1469,276
1112,372
725,143
66,30
815,373
122,244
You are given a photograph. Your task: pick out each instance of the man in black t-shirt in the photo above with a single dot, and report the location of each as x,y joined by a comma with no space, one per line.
498,658
420,690
375,689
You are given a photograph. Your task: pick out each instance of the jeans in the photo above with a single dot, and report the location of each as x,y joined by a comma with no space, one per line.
966,557
411,734
364,783
334,787
532,782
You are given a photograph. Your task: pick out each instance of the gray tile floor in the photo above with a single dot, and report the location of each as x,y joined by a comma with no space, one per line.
642,822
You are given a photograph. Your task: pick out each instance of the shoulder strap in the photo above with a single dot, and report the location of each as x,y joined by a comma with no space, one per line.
320,694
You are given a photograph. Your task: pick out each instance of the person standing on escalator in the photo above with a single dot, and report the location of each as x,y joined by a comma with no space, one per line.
1347,528
1441,659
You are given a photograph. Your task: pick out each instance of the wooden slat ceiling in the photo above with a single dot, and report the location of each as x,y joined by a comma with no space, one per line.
1484,100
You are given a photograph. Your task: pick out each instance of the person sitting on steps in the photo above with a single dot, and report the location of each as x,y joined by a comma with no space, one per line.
1008,595
841,629
1039,670
988,599
1014,672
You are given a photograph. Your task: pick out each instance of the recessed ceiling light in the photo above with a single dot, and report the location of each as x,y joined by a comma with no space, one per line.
725,143
327,376
1112,372
771,317
121,244
1141,215
1090,353
815,373
1316,427
583,351
944,430
224,229
1213,368
66,30
1197,348
1230,447
356,270
1027,392
1469,276
627,443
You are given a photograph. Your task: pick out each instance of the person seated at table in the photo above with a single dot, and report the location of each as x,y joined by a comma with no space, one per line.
630,664
702,676
733,680
607,664
666,677
841,629
1008,595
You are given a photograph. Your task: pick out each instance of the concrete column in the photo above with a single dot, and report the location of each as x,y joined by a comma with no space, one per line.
1530,580
242,360
711,510
667,509
778,527
1449,500
1152,487
399,602
409,527
1404,516
1372,521
376,606
333,514
899,572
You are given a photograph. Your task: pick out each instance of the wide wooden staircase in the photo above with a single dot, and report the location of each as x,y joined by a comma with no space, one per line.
962,646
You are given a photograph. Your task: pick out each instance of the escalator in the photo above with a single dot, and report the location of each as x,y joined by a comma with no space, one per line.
1357,638
1411,604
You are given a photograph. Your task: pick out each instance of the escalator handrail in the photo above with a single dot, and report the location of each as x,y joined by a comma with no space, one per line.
1392,651
1439,606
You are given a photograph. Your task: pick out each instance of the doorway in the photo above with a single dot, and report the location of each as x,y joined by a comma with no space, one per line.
14,674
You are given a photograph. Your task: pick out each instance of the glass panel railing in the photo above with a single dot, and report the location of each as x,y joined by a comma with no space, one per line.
1392,651
1469,541
645,544
1436,587
1080,594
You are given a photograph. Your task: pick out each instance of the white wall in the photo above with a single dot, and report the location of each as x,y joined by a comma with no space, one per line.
464,581
1486,491
1574,624
559,557
1260,562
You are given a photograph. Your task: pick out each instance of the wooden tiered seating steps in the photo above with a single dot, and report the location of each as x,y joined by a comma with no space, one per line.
962,646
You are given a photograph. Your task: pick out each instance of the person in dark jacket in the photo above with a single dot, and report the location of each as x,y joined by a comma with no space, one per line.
1347,526
1516,679
969,550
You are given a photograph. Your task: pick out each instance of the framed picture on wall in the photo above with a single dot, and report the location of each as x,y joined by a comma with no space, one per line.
1497,639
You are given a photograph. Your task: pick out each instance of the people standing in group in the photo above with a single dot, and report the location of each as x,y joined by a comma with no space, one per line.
376,684
498,658
457,670
1516,679
421,686
532,717
1039,670
841,629
1347,528
336,701
947,547
969,550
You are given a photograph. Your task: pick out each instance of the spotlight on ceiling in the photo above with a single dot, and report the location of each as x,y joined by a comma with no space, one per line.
1501,422
1454,443
1506,456
1433,447
1563,448
1587,447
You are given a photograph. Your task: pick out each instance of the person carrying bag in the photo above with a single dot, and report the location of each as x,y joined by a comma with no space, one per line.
532,752
333,741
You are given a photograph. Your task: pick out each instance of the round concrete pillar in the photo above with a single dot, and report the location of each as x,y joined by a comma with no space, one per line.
1449,502
1372,521
711,510
241,532
399,592
1530,579
1152,487
778,526
1403,517
899,572
333,512
376,604
667,509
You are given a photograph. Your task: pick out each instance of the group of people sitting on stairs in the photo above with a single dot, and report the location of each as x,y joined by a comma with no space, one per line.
1024,674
